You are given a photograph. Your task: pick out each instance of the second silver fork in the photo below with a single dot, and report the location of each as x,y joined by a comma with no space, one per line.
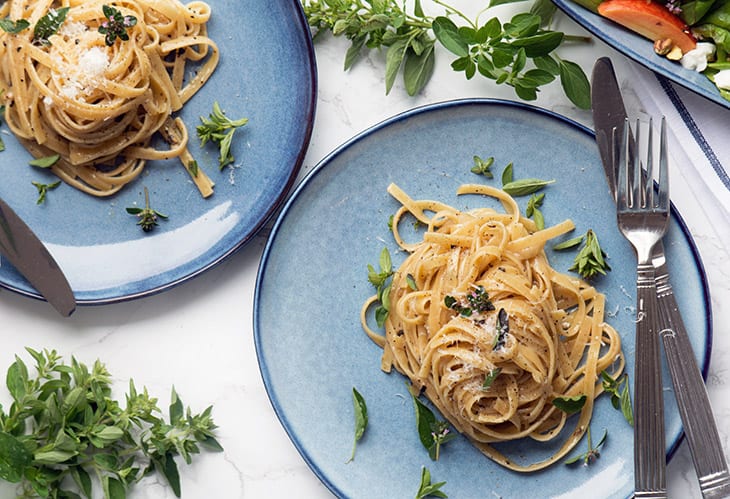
643,218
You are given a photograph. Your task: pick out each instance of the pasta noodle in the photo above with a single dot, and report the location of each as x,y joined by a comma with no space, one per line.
541,337
98,105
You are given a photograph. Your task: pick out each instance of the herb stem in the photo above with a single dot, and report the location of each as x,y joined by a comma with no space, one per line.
457,12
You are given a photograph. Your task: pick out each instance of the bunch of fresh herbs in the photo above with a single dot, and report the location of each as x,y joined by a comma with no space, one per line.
498,51
63,432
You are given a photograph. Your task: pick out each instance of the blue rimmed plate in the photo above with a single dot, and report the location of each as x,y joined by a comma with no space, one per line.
313,280
641,50
104,254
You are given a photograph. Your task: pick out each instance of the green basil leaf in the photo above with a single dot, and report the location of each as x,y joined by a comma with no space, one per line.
168,468
570,243
49,24
525,186
425,420
114,489
575,84
353,52
53,456
14,458
14,26
82,479
418,70
541,44
448,34
570,405
45,162
16,379
361,419
176,408
547,63
490,377
393,60
507,174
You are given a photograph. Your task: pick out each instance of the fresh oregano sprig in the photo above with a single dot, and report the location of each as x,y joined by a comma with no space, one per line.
590,259
43,189
593,452
380,279
219,129
63,427
428,489
499,52
432,431
618,388
147,216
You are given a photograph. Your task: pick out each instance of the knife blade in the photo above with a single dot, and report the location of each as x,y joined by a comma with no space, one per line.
609,114
22,248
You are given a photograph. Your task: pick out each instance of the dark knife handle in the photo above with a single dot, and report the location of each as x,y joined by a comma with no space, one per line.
691,394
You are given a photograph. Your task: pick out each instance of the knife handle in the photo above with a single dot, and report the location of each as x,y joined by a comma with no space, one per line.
692,399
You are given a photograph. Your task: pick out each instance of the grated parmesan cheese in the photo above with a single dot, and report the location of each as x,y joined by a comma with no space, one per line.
93,62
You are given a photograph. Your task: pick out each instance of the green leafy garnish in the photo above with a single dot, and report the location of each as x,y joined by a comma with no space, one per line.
63,427
14,27
533,210
426,488
219,129
620,396
508,174
490,377
193,168
496,51
591,259
46,161
147,216
411,281
361,419
116,25
476,300
570,405
48,25
379,279
525,186
432,432
43,189
483,166
593,452
502,329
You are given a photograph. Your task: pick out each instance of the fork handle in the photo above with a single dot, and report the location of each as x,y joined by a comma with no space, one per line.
650,447
692,399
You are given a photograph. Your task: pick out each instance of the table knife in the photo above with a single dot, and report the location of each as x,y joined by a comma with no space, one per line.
22,248
695,410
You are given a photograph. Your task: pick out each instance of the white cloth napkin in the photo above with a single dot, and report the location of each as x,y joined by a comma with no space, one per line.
699,143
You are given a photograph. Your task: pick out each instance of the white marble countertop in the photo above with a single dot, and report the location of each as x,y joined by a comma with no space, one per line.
198,335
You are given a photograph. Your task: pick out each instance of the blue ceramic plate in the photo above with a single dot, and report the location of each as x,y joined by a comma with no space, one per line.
641,50
313,280
267,74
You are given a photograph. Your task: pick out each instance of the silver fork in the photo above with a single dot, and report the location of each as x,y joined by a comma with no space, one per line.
643,218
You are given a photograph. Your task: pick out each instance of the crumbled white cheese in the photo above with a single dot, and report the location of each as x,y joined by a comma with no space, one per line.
696,59
722,79
93,62
72,29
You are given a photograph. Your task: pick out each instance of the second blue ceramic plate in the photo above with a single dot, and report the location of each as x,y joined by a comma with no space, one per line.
313,281
267,74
